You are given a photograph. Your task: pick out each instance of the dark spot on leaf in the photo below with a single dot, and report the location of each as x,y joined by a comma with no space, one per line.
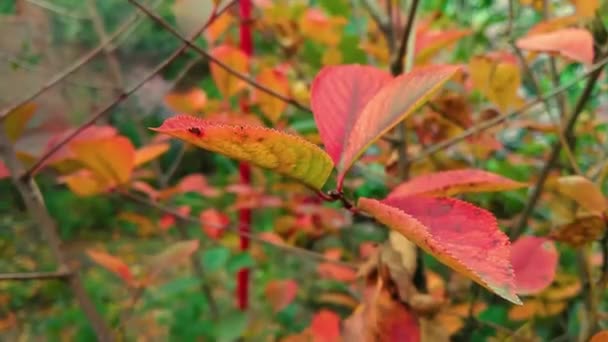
196,131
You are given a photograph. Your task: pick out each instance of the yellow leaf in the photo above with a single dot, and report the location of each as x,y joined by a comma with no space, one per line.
332,56
583,191
281,152
498,78
227,83
85,183
16,121
586,8
318,27
150,152
271,106
112,159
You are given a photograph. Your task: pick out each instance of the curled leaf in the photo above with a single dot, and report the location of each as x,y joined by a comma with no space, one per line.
462,236
281,152
453,182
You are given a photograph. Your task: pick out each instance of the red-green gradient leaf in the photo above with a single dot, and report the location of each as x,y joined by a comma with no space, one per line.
534,261
112,264
281,152
338,95
393,103
452,182
574,43
457,233
281,293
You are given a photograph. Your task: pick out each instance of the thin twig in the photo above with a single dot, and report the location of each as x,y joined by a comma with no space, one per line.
160,21
72,68
554,156
556,120
253,237
398,60
377,16
121,97
35,275
166,177
62,12
501,118
34,202
111,59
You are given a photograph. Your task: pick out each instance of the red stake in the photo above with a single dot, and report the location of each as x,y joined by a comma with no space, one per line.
244,168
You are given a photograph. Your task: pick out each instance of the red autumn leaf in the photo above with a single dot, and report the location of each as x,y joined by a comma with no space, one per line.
227,83
281,293
4,172
457,233
168,220
394,102
534,261
213,223
452,182
281,152
197,183
338,95
190,102
325,326
112,264
574,43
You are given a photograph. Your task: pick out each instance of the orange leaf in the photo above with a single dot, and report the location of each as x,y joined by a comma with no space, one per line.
271,106
112,264
16,120
281,293
149,153
534,261
587,8
191,102
583,191
236,59
219,26
325,326
112,159
281,152
393,103
582,230
574,43
601,336
85,183
213,222
457,233
429,43
452,182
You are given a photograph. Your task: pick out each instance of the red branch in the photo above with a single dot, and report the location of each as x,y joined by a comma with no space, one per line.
244,168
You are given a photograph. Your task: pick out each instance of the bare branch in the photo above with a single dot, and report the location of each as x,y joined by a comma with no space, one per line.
397,64
35,275
501,118
190,219
121,97
221,64
30,193
554,156
72,68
